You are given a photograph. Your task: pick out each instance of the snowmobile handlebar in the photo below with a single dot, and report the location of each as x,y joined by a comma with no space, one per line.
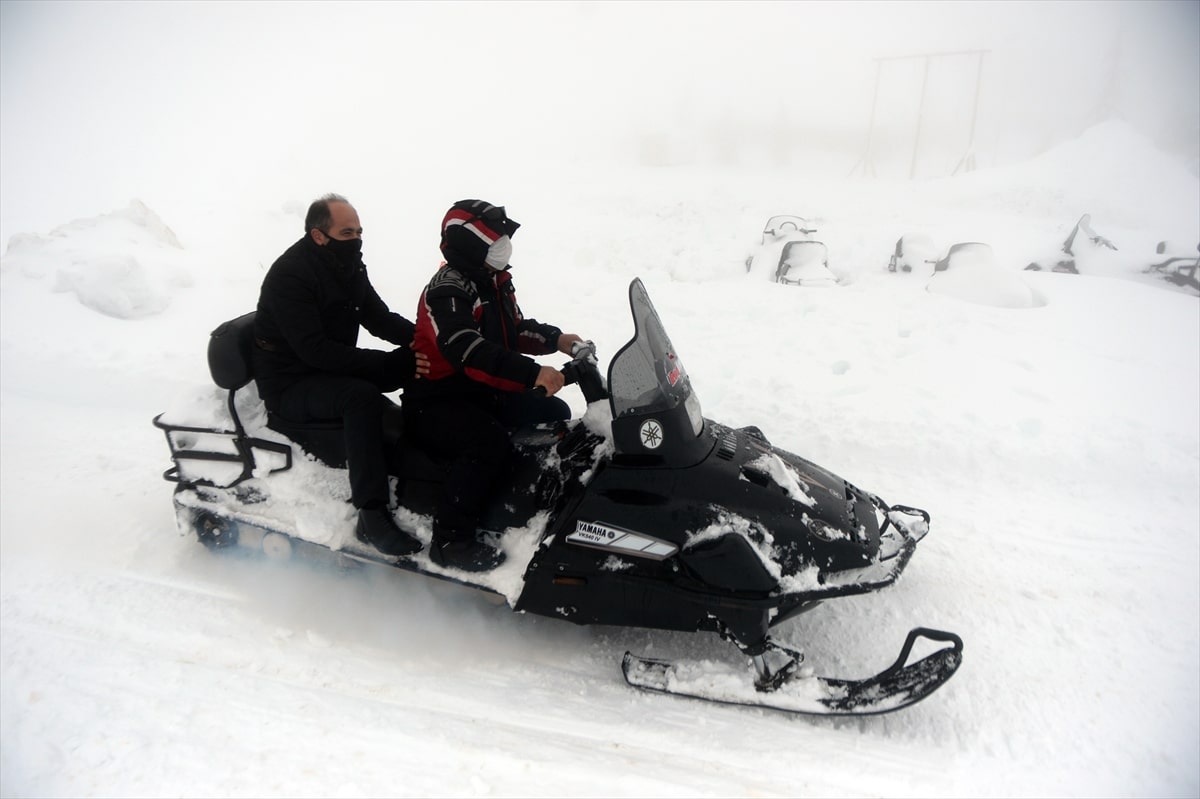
583,370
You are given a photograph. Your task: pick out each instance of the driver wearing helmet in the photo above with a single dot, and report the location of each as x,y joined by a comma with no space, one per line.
480,375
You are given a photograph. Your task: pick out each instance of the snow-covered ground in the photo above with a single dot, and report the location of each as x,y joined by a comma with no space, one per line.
1056,446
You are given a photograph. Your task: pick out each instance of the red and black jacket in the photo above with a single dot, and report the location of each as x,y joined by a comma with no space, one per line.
477,340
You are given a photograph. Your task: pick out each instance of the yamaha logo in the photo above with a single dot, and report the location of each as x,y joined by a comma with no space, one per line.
652,434
587,528
599,535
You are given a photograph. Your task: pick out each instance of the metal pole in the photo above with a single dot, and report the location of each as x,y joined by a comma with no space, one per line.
870,166
968,160
912,170
868,160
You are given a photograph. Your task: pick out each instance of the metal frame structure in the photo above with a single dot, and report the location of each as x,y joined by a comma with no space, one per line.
967,162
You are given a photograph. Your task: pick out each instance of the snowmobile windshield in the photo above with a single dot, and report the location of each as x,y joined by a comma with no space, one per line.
778,227
647,376
968,254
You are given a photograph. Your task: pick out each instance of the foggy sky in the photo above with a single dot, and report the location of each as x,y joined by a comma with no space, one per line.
100,102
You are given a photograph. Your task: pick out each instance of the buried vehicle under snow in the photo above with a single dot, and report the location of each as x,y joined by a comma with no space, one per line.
789,254
1178,267
643,513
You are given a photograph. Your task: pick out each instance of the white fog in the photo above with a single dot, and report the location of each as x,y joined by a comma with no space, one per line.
157,157
103,101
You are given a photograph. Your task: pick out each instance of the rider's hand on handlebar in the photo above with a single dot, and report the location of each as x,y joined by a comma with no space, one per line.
566,343
585,350
549,379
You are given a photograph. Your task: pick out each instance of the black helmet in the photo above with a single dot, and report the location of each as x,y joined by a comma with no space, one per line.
470,227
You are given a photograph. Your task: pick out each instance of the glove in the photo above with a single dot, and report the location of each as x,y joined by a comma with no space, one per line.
584,350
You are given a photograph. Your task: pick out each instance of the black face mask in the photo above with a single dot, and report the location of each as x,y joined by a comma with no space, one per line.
348,251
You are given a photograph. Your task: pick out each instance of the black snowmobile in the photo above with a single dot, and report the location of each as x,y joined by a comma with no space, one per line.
643,513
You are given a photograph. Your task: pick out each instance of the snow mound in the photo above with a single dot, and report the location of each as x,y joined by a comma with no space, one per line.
126,264
1110,170
992,287
973,276
1112,153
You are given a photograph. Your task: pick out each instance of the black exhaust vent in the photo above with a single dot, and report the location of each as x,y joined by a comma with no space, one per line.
728,446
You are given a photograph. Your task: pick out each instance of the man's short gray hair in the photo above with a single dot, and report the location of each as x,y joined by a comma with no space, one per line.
318,215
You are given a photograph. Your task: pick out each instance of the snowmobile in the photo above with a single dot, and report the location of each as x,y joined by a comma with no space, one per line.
913,251
966,270
642,513
790,255
1064,262
1177,268
912,254
969,271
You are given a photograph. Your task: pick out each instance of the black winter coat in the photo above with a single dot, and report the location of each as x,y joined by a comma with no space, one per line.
309,313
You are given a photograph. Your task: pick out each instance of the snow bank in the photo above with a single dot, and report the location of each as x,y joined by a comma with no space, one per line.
126,264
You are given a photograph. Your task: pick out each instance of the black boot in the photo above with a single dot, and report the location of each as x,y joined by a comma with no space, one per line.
377,528
472,554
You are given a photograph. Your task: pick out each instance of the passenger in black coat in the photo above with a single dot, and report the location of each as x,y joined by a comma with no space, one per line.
308,366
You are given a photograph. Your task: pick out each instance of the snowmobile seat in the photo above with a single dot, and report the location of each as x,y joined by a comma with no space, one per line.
222,450
230,361
232,368
803,263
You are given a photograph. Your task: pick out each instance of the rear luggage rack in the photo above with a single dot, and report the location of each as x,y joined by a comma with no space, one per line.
188,444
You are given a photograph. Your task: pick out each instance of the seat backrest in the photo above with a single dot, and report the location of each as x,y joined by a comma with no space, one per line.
229,358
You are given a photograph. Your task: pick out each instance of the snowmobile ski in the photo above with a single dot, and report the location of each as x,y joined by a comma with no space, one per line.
894,688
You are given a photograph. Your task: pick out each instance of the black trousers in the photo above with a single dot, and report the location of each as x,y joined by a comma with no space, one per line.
473,434
360,406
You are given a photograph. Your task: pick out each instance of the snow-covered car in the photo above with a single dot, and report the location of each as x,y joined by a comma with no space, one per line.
789,254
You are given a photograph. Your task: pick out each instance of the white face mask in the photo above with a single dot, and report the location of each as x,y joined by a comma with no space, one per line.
499,253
